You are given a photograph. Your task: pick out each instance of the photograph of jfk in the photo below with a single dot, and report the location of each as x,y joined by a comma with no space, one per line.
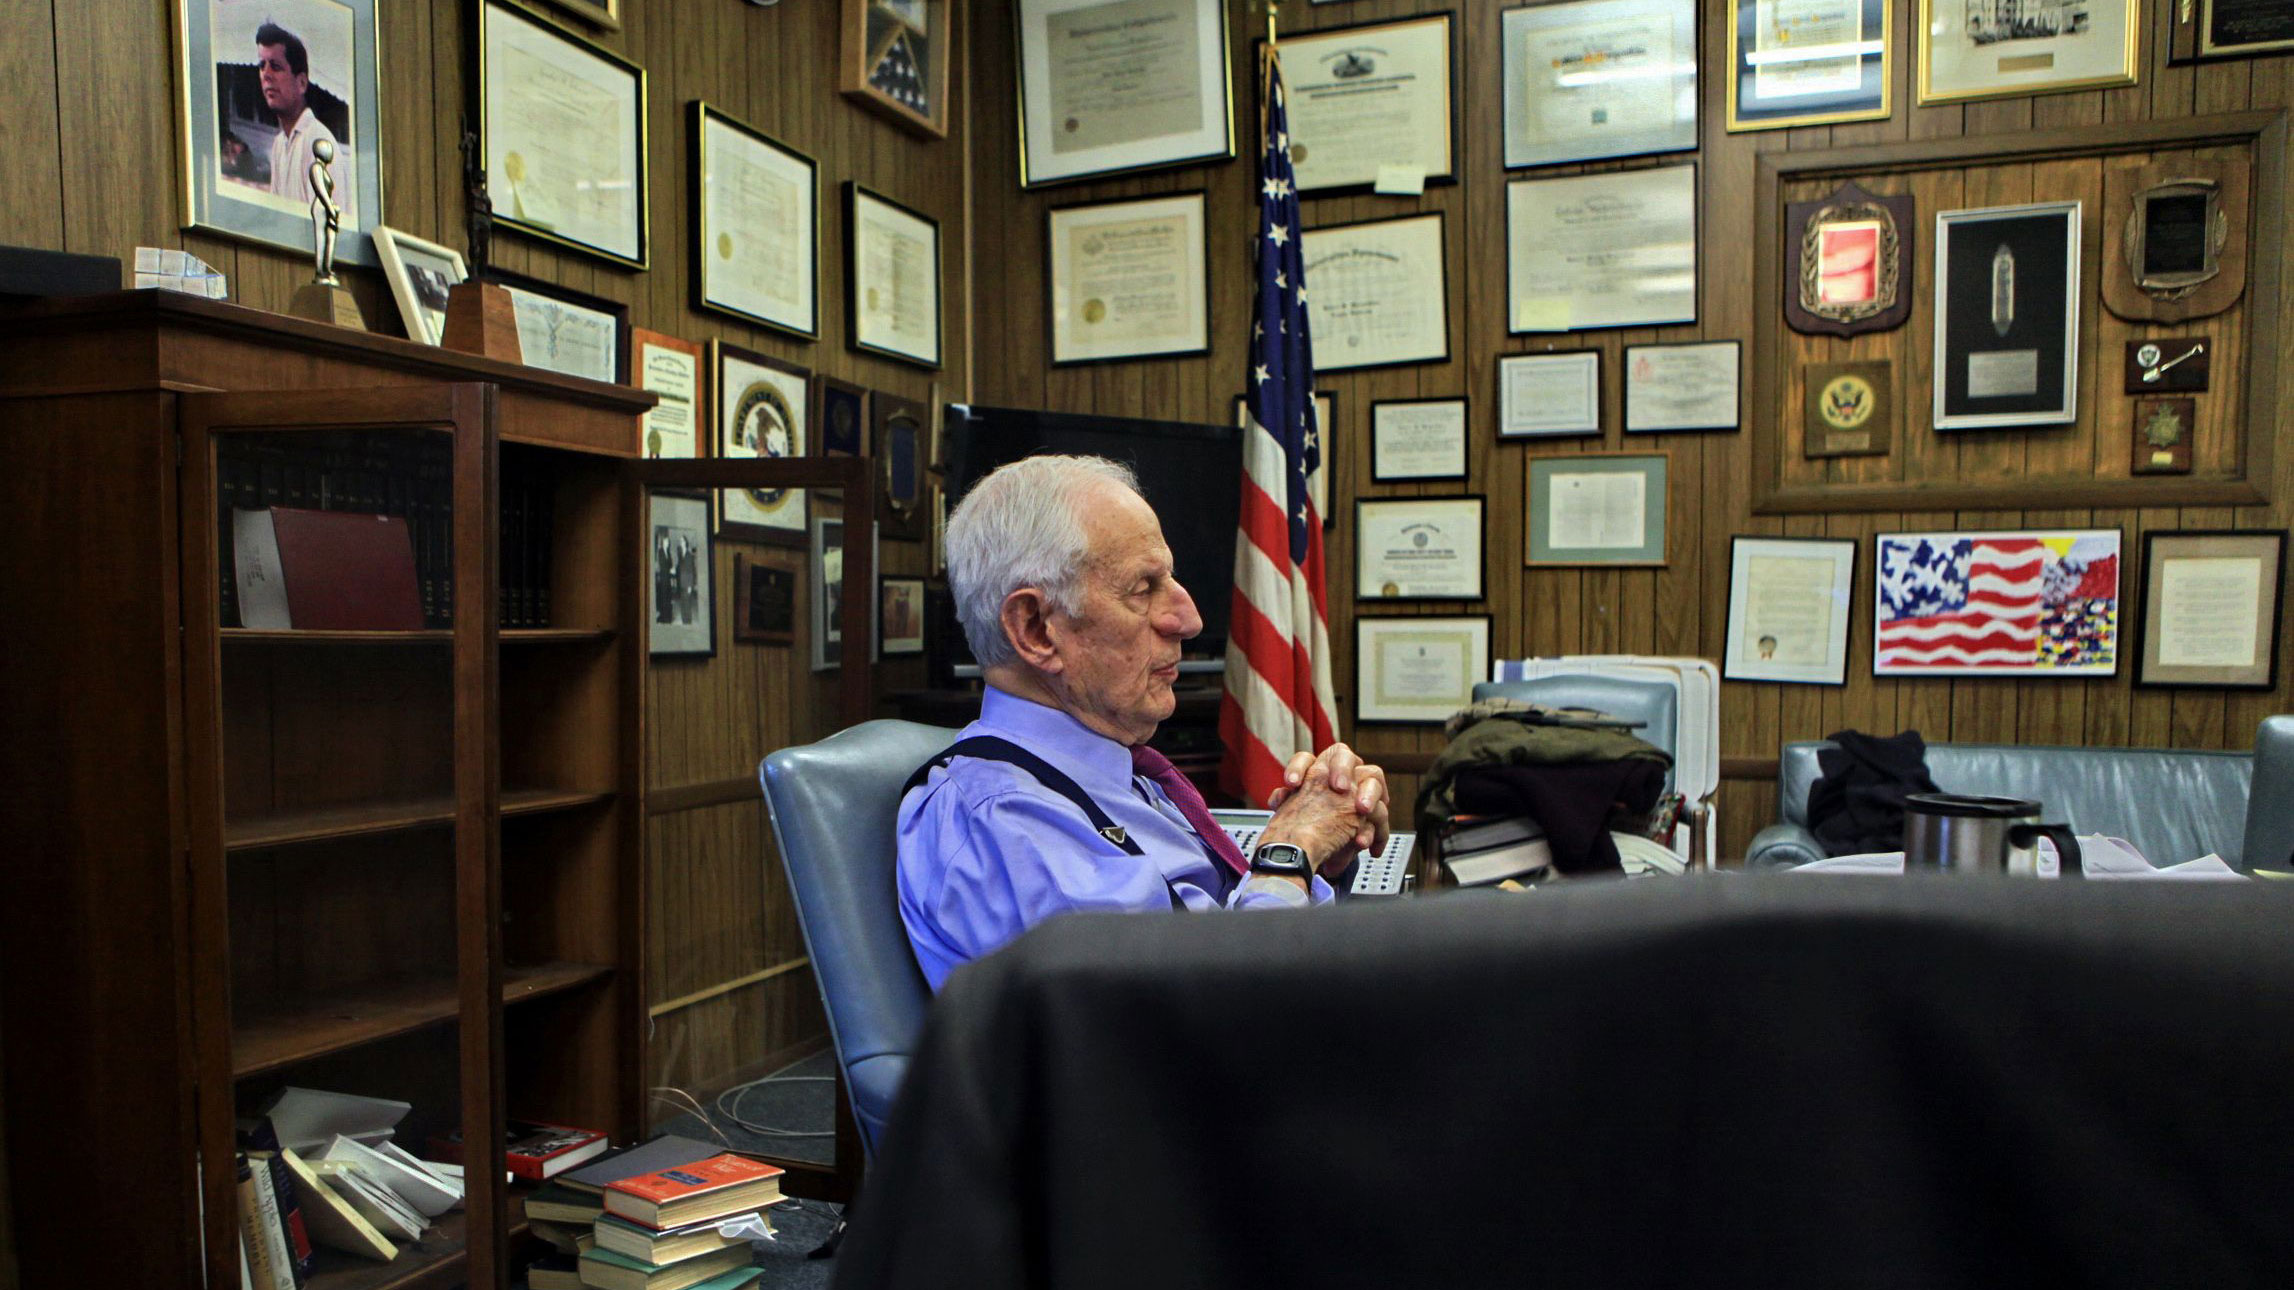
283,81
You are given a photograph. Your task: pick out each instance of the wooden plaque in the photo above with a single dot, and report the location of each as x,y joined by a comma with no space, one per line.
2161,436
1850,409
2168,365
1848,263
2127,233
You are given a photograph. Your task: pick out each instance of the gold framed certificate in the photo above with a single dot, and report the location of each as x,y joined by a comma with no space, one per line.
1418,670
1111,86
1128,279
756,225
1371,105
562,127
1807,62
892,277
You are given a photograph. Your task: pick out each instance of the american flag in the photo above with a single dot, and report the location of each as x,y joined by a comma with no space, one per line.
1981,602
1278,698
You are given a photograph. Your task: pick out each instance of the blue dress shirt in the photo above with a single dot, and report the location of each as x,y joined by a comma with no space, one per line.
986,851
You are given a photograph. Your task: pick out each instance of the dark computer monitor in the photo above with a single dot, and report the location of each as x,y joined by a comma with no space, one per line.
1190,473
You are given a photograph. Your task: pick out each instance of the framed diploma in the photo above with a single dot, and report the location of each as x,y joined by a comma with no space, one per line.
1605,250
840,412
1598,78
1682,387
896,59
1128,280
566,331
1414,440
2232,29
1326,427
1549,396
892,277
1596,508
682,621
1108,86
2007,316
261,86
2210,609
1418,548
671,369
1788,602
1380,292
761,410
2030,603
562,124
1417,670
1988,49
899,448
1371,105
1806,62
756,226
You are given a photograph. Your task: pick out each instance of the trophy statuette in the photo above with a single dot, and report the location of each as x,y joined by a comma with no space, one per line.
480,318
324,298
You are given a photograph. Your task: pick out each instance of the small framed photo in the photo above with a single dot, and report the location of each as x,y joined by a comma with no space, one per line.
762,406
565,331
2027,603
843,417
1326,434
1788,601
900,615
1419,548
1128,279
1417,671
1104,92
1597,508
1806,64
892,278
1415,440
421,274
897,55
673,370
828,593
2210,609
1586,79
263,84
682,622
1673,388
2007,316
563,129
1549,396
766,591
1988,49
899,446
756,225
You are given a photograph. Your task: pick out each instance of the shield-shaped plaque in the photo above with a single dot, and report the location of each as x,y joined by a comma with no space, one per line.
900,450
1850,258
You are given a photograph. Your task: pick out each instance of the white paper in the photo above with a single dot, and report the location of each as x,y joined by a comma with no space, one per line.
262,583
1681,387
896,264
564,337
1600,511
675,376
2207,610
1419,440
1128,279
1122,73
759,205
1419,549
1785,27
1549,394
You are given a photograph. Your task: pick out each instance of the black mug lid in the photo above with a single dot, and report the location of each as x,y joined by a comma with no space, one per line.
1970,805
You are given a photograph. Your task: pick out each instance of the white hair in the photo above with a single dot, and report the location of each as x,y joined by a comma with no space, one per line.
1022,526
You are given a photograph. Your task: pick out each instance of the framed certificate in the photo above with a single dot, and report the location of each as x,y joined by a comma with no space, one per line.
1418,548
1596,508
1549,396
671,369
2027,603
1413,440
1380,292
896,59
1682,387
682,621
761,409
1371,103
1605,250
892,277
1128,280
1107,86
566,331
756,226
2232,29
1417,670
2210,609
1988,49
562,123
1788,601
1598,78
1806,62
2007,316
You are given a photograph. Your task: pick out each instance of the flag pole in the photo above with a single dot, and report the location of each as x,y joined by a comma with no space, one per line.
1273,7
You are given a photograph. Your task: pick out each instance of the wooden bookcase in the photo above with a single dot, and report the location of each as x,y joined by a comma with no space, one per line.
401,863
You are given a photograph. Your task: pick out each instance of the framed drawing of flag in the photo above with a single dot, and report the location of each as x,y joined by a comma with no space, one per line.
2021,604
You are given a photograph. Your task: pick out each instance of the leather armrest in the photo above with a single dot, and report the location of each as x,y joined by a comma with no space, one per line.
1782,846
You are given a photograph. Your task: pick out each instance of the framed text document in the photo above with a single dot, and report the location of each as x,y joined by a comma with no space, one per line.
1418,669
1116,85
1599,78
1596,508
756,225
1129,280
892,277
1788,604
564,128
1606,250
1379,293
1371,100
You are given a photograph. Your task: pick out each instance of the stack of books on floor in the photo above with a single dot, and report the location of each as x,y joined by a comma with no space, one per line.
318,1169
1480,850
669,1214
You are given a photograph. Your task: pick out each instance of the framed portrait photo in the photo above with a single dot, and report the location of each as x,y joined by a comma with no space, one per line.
1806,62
420,274
681,621
897,54
756,226
892,277
1788,601
1596,508
2028,603
1371,107
264,84
1987,49
672,369
2210,609
1109,86
1128,279
1585,79
1381,292
1549,396
1417,440
900,616
563,130
762,409
2007,316
1419,548
1684,387
565,331
1418,670
1583,252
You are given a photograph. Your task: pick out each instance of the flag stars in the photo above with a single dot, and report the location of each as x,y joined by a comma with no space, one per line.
1279,235
1282,279
1259,374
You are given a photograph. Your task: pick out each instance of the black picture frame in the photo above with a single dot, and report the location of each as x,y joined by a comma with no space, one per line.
721,352
840,417
856,193
1380,475
1557,357
1736,401
580,299
1291,42
700,116
2151,674
484,12
1441,263
1200,269
681,579
1480,590
765,601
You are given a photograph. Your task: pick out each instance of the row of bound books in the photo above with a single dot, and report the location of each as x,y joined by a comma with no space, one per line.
669,1214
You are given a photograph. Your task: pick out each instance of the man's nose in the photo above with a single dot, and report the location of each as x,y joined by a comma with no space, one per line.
1180,618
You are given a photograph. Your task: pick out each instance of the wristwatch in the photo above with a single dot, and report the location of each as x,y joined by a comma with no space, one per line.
1284,858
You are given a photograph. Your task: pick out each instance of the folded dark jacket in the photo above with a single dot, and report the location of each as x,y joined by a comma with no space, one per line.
1856,804
1576,802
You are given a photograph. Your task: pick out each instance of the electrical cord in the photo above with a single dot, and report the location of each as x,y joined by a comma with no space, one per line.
729,1106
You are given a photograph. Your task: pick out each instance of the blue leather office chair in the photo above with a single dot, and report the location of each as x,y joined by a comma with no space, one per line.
2269,845
832,805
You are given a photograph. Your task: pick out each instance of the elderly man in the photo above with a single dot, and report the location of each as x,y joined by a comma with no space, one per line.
1052,801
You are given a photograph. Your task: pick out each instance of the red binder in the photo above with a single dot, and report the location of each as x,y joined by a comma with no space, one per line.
346,571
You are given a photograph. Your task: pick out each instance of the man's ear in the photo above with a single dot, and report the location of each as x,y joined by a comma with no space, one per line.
1026,620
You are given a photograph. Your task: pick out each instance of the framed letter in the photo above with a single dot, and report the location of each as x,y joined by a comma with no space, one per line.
1413,440
1806,62
1988,49
1596,508
1604,250
1379,293
761,409
1788,610
2210,609
1370,106
1129,280
756,226
1599,78
2007,316
1549,396
563,123
1418,548
1116,85
1681,387
892,277
1418,670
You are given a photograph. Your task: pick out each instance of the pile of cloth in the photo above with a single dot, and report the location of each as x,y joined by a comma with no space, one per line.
1577,772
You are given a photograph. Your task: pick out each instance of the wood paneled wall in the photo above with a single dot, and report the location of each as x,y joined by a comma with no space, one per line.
1682,608
88,152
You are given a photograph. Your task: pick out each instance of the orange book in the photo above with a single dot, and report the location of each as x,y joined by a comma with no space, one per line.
706,1189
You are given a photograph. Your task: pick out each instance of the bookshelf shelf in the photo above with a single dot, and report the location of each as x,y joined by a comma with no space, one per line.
430,636
365,818
439,1261
270,1043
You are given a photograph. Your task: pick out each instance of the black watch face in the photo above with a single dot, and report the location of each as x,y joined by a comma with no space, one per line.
1280,855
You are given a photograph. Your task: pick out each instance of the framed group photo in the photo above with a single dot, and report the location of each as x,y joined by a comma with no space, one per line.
682,617
1129,279
563,129
1985,49
1110,87
892,277
1586,79
762,408
756,225
1372,107
2211,608
264,83
1788,602
1419,548
1418,670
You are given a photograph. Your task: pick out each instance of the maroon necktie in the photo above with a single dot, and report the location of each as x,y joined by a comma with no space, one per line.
1175,786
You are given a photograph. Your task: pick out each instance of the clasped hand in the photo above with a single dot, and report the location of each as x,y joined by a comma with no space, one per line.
1332,804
